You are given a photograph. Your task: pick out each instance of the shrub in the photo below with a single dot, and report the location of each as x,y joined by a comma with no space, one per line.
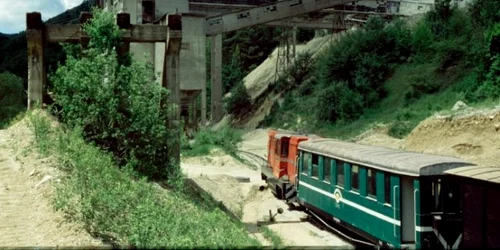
119,107
352,73
12,97
339,102
238,103
206,139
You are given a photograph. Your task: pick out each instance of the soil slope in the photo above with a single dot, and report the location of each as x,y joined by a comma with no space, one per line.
470,135
473,135
27,216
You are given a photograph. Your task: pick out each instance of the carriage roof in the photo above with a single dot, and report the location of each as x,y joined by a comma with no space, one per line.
386,159
489,174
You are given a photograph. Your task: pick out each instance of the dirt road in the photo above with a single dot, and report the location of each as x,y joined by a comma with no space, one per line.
26,215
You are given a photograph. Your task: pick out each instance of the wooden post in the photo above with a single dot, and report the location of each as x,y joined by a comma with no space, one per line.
171,79
36,63
123,22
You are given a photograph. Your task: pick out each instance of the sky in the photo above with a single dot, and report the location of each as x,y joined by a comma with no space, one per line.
13,12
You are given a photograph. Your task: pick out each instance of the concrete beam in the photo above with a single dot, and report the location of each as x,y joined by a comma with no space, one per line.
306,24
266,13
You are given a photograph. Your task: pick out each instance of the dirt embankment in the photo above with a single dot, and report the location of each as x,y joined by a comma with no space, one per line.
473,135
26,214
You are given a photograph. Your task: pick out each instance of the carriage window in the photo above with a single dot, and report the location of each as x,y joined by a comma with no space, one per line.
315,160
371,183
387,180
315,172
340,173
354,177
305,163
326,169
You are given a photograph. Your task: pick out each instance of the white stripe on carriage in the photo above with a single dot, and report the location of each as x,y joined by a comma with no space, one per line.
352,204
423,229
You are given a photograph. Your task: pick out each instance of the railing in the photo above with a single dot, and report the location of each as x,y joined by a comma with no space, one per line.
246,2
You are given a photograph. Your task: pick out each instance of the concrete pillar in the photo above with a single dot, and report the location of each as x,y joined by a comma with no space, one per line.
216,81
294,41
203,118
194,110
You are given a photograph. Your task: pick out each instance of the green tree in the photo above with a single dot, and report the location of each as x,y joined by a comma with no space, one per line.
238,103
119,107
233,72
12,97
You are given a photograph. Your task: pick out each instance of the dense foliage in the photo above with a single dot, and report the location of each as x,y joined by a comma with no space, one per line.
13,47
389,71
120,107
12,97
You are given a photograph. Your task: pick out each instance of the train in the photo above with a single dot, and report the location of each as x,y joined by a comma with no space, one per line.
390,197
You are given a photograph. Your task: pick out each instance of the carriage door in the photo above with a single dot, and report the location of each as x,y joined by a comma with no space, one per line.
407,210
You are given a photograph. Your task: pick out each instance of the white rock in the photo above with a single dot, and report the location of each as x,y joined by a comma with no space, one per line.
459,105
33,172
44,180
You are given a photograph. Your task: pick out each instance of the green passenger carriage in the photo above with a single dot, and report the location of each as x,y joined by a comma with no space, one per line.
392,197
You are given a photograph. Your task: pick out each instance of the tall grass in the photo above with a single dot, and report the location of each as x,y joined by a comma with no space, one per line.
123,208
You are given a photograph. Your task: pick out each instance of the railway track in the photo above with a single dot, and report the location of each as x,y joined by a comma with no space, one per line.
255,159
314,219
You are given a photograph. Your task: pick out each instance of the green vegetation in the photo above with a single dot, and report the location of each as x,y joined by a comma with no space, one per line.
206,140
238,103
396,74
119,107
12,97
270,235
114,142
125,209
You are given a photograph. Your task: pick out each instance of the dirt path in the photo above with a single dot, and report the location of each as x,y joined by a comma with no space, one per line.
26,215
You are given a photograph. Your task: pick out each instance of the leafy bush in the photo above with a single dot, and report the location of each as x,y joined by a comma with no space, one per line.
297,73
491,87
339,102
238,103
12,97
233,72
206,139
404,124
361,62
119,107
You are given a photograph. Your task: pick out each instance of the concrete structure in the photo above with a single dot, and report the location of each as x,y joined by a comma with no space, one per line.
196,28
192,68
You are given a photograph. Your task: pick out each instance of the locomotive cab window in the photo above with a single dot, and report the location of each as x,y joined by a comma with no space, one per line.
355,178
284,147
305,163
315,166
340,173
371,183
326,169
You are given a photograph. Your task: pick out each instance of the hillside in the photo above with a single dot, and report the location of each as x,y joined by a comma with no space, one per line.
393,75
13,47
